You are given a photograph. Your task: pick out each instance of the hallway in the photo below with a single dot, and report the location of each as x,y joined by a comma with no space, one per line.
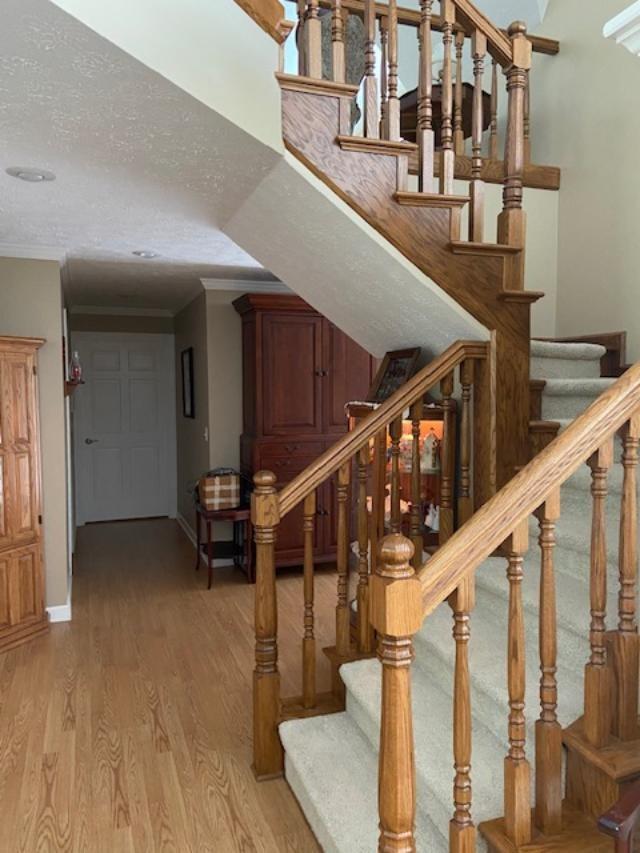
129,729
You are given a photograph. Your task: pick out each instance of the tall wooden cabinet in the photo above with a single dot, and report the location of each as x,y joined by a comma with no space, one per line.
299,370
22,613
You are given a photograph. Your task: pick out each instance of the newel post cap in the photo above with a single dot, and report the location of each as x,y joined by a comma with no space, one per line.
396,594
265,509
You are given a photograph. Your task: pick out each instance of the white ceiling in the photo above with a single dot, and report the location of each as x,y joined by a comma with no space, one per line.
134,160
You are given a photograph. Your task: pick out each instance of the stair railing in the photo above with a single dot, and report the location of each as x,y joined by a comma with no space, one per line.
402,600
459,23
355,461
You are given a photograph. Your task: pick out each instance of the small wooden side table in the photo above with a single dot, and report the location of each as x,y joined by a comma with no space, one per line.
240,549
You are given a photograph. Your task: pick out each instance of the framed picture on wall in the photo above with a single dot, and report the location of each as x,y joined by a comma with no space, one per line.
188,403
396,368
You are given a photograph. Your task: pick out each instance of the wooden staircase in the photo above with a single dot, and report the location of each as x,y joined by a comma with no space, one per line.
511,463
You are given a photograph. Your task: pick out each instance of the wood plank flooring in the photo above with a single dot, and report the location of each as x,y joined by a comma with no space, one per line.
129,729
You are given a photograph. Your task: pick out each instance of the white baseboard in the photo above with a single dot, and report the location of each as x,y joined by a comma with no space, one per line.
191,536
61,612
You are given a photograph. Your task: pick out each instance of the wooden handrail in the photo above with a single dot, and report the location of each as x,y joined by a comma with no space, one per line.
411,18
269,15
345,449
621,820
499,517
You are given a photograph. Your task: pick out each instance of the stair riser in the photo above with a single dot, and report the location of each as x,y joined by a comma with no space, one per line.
563,406
564,368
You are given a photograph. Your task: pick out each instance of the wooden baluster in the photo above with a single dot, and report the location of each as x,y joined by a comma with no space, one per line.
343,626
458,133
396,623
309,641
624,643
425,132
392,113
268,759
416,486
365,636
465,502
313,40
447,460
300,38
476,209
384,42
395,433
597,677
517,772
371,120
527,119
493,133
447,166
337,42
462,832
379,495
512,220
548,730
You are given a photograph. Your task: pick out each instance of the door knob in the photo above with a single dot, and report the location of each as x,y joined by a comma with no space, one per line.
91,441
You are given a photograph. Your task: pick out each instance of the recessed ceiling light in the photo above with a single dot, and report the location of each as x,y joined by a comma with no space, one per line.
32,176
145,253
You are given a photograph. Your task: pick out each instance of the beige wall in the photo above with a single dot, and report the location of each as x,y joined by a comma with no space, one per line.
224,338
586,120
192,447
136,324
31,305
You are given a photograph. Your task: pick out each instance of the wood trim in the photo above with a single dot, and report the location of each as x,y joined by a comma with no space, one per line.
493,250
431,199
314,86
270,302
269,15
372,145
350,444
526,296
18,344
411,18
492,524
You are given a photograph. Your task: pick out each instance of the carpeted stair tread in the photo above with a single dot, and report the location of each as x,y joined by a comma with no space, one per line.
550,360
332,769
567,351
568,398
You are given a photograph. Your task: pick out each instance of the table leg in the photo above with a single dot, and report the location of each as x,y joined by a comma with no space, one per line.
248,545
209,553
197,540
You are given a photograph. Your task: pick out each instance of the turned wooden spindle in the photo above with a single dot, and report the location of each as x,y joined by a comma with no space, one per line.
416,486
268,758
300,38
337,42
395,434
365,637
462,831
512,220
597,676
396,614
309,641
527,118
458,133
476,209
425,131
447,461
548,811
624,643
313,40
384,43
392,112
517,772
343,628
371,119
493,132
447,166
465,501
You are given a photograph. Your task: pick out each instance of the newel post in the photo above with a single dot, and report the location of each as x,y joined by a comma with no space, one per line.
512,220
268,760
396,614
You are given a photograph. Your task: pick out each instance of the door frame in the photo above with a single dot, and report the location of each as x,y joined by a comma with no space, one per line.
167,407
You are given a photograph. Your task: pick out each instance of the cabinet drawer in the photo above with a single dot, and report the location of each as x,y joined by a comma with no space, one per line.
295,447
285,467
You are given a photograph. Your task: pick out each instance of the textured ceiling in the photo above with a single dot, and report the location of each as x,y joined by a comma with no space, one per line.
136,164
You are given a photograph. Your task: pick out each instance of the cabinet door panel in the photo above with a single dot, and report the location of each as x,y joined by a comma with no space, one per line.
27,571
5,575
19,372
24,526
5,528
348,377
292,359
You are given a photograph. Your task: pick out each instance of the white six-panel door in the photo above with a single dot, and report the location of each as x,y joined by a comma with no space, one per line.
124,427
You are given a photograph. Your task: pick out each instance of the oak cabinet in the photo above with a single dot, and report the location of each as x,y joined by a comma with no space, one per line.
299,370
22,613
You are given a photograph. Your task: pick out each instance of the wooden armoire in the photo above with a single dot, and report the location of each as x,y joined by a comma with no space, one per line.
299,370
22,613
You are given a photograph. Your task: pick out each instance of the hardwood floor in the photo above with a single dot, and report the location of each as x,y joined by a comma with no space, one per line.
129,729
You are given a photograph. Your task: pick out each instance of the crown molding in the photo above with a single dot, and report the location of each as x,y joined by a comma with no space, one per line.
33,253
119,311
240,286
625,28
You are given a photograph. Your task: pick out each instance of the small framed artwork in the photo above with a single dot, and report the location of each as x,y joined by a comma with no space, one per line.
396,368
188,403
